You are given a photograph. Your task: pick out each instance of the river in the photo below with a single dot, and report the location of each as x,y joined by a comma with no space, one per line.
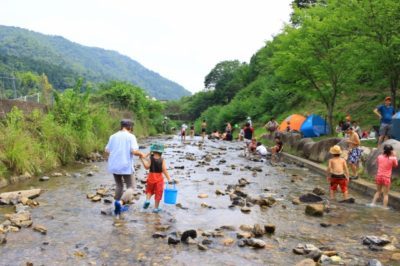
78,234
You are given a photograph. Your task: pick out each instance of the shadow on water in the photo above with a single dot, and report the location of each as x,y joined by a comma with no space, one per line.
79,235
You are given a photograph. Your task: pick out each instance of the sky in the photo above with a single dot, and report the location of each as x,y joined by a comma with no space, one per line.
182,40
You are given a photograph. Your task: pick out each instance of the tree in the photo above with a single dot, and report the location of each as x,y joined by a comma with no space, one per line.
379,26
317,56
47,89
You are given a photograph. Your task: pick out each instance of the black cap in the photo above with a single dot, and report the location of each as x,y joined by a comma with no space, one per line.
126,123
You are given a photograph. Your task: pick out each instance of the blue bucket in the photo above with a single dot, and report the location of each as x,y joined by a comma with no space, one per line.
170,194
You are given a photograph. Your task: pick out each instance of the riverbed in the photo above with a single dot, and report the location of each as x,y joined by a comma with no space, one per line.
78,234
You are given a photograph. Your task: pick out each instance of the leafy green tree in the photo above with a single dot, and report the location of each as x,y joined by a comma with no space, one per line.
317,57
378,23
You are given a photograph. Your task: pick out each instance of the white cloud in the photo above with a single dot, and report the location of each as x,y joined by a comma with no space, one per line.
182,40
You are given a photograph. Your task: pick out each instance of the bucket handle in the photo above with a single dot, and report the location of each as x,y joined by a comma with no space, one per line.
167,183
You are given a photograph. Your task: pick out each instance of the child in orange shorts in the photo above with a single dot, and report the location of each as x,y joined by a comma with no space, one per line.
155,179
337,172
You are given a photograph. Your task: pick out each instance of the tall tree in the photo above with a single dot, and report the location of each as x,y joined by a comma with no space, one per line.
379,25
316,56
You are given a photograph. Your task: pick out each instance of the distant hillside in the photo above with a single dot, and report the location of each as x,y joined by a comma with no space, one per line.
62,61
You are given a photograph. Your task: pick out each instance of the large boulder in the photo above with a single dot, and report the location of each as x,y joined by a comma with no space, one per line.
371,166
307,149
300,144
320,150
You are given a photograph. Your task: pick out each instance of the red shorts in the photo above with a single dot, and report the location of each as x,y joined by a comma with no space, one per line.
382,180
155,188
342,182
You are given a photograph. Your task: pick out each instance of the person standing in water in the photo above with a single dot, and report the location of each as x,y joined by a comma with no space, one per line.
121,148
203,129
386,162
155,179
192,131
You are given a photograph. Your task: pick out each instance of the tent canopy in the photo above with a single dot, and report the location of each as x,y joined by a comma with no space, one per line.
314,126
295,122
395,132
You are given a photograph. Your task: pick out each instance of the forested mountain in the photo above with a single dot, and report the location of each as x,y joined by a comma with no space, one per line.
63,61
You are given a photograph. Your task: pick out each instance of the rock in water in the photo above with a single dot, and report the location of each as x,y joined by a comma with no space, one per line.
315,209
202,196
245,209
40,228
159,235
202,247
255,243
375,240
245,227
269,228
319,191
310,198
374,262
350,200
44,178
258,230
228,241
173,241
189,233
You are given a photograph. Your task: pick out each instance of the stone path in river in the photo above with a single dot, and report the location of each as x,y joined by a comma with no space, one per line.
231,211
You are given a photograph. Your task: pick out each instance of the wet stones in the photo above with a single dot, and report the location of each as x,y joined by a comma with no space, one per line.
173,240
44,178
245,235
202,247
163,228
374,262
246,227
258,230
228,241
319,191
349,201
269,228
202,196
245,209
189,233
21,219
159,235
219,192
255,243
310,198
315,210
180,206
226,173
375,240
303,249
228,228
296,201
190,157
40,228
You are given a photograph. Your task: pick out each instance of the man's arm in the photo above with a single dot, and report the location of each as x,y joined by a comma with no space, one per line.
376,111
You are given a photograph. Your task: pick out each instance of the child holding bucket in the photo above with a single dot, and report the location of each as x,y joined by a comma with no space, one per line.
155,179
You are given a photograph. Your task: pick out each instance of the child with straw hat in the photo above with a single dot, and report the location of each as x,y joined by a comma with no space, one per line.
337,172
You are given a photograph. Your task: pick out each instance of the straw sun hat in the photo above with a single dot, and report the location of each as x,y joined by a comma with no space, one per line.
335,150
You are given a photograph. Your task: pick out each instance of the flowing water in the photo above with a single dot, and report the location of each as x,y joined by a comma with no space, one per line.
78,234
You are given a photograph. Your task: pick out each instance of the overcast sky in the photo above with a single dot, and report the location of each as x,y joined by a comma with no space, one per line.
180,39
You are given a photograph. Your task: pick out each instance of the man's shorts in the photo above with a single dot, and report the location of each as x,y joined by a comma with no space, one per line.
385,129
382,181
342,182
354,155
156,188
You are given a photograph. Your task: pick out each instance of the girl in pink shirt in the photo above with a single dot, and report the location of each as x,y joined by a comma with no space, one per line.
386,161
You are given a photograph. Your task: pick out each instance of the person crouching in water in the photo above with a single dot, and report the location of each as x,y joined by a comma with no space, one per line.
155,179
261,150
337,172
386,162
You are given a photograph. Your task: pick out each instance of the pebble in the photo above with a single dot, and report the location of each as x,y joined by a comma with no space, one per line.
202,247
270,228
44,178
173,241
3,239
315,210
202,196
306,262
40,228
188,234
255,243
228,241
245,209
258,230
246,227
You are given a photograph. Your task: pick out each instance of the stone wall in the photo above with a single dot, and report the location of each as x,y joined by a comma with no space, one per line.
319,151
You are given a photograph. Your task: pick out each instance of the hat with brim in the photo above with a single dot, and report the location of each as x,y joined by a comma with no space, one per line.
335,150
157,147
